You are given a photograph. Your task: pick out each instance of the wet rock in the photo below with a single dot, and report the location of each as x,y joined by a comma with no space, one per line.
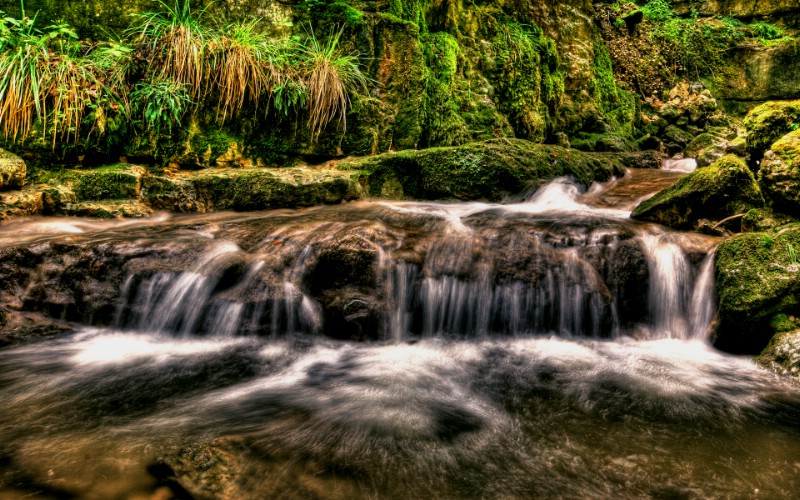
351,315
758,277
20,203
346,260
12,171
716,192
783,352
490,170
780,173
128,209
767,123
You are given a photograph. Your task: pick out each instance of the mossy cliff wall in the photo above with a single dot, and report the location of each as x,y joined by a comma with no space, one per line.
446,72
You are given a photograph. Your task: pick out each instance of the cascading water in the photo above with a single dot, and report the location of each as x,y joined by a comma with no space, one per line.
550,348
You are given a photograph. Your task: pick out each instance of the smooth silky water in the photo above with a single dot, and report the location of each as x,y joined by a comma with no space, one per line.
546,348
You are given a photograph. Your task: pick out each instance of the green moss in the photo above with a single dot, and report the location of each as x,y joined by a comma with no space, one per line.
111,182
617,105
769,122
489,170
780,173
764,219
725,188
444,124
756,282
258,189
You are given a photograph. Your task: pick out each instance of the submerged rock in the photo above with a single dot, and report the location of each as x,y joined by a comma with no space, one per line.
758,278
725,188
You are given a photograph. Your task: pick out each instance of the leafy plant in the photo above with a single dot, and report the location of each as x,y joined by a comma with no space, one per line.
290,94
160,104
332,76
792,253
765,31
176,41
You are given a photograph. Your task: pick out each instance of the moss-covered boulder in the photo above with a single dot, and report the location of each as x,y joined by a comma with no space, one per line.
12,171
489,170
758,279
112,182
725,188
780,173
769,122
259,189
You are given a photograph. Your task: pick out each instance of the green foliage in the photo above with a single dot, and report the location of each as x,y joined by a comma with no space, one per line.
792,254
441,114
160,104
244,64
658,10
765,31
332,75
175,41
332,13
695,47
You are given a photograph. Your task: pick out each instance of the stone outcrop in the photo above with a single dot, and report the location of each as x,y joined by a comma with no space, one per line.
723,189
779,174
12,171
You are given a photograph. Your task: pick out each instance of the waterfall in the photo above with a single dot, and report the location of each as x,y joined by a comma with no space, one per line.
550,266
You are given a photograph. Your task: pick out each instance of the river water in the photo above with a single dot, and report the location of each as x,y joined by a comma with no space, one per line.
550,347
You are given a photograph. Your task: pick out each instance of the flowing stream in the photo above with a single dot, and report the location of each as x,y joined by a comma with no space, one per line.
550,347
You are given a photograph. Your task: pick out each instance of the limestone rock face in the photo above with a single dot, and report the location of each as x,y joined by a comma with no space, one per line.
720,190
12,171
780,173
760,73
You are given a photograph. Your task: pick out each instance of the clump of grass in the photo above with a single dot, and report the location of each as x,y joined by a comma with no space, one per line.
24,68
246,64
332,76
176,39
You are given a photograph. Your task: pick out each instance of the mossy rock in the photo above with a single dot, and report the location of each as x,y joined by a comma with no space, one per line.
758,278
725,188
171,194
490,170
769,122
20,203
782,355
765,219
780,173
259,189
12,171
706,148
111,182
113,209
